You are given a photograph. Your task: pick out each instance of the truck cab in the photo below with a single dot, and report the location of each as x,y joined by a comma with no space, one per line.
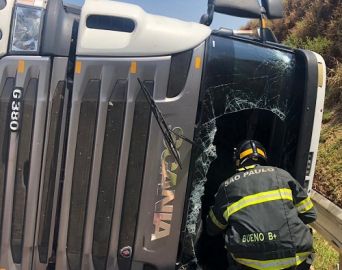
115,122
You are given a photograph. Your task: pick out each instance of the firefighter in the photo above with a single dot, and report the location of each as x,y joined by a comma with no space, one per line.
263,212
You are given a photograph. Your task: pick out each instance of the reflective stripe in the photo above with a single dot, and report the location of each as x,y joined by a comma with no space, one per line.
215,221
246,153
250,151
78,67
261,152
304,206
246,168
274,264
21,66
198,62
133,67
262,197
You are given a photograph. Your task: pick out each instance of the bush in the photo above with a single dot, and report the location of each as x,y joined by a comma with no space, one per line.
327,117
318,44
334,89
294,42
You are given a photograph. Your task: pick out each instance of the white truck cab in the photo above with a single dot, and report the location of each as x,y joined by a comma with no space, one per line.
111,118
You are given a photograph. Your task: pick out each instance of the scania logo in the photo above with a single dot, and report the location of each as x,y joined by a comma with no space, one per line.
126,252
15,109
166,190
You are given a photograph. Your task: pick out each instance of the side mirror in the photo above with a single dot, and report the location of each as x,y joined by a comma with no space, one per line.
240,8
274,9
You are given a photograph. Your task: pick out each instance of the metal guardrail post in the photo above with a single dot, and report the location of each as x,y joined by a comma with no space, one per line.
329,222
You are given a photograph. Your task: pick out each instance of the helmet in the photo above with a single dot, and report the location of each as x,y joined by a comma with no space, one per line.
249,152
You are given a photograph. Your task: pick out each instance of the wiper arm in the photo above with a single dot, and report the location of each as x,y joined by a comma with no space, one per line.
163,126
182,137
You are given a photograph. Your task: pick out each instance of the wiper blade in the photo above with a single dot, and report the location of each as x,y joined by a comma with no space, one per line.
163,126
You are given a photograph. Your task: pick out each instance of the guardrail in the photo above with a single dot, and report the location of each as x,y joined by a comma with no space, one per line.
329,222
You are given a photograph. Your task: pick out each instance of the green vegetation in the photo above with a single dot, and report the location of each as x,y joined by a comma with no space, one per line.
317,25
318,44
329,163
326,257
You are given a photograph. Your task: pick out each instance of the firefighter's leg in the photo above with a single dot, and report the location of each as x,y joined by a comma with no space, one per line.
210,251
307,264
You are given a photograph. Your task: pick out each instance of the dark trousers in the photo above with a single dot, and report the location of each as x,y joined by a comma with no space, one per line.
210,252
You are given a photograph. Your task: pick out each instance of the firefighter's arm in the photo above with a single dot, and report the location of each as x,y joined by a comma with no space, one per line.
215,222
303,203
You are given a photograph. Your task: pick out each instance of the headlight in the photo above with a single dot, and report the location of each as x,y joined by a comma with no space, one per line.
26,29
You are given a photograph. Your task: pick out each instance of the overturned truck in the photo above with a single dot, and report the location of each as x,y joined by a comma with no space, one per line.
111,120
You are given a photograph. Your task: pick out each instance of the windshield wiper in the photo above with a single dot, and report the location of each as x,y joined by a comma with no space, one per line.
163,126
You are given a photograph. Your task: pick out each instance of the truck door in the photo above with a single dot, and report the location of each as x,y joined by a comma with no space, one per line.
253,90
124,191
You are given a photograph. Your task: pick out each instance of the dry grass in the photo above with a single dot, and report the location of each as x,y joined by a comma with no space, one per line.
326,257
334,90
328,175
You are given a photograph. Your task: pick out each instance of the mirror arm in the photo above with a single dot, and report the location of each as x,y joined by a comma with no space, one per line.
207,19
263,25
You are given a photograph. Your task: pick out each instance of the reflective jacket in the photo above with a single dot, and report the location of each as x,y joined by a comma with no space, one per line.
264,212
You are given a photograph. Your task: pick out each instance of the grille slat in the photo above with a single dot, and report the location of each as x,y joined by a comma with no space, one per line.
108,174
135,173
23,169
82,173
50,171
4,139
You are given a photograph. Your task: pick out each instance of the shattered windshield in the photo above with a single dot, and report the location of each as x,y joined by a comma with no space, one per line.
246,77
249,91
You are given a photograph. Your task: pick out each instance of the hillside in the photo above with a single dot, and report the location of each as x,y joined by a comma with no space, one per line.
317,25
